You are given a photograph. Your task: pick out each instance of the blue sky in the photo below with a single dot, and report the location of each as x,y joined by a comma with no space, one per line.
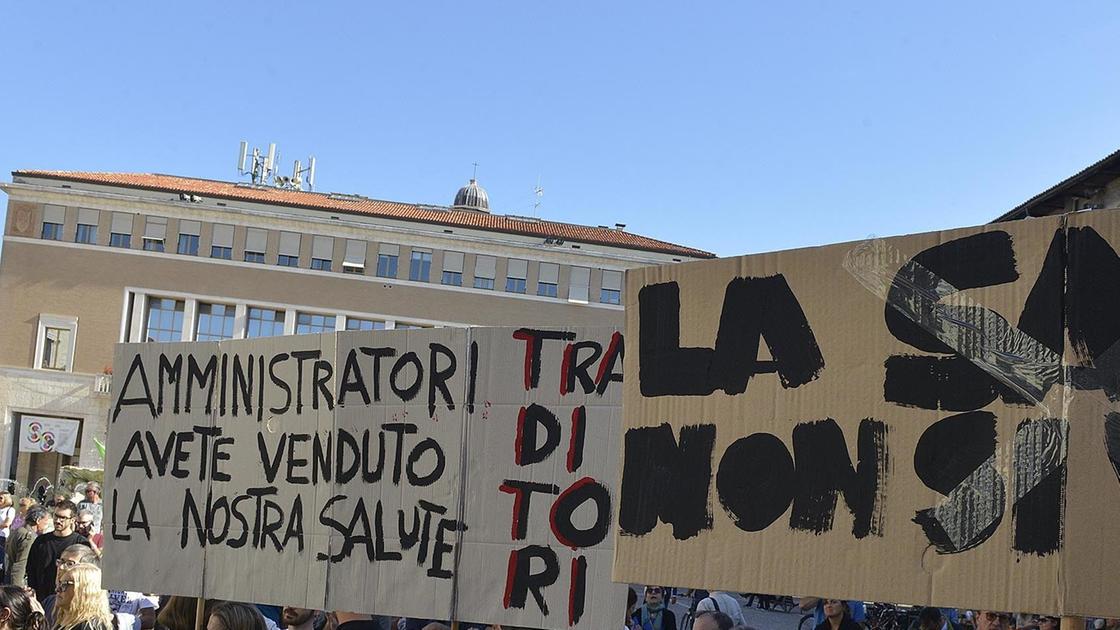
734,127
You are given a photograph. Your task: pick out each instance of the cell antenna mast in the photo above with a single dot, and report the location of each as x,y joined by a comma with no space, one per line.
262,171
538,194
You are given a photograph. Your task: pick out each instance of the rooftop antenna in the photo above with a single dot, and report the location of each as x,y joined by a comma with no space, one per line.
263,164
538,193
264,168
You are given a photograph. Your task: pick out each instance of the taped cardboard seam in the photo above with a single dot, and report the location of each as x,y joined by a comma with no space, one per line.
980,335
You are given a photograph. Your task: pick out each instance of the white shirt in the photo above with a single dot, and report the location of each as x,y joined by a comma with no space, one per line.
724,603
7,514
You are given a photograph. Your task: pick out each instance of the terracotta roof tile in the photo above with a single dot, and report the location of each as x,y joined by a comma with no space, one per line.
374,207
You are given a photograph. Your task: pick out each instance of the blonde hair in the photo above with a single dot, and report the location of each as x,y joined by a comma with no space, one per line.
89,602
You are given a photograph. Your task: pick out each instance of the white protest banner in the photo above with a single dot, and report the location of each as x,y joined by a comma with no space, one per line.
45,435
364,471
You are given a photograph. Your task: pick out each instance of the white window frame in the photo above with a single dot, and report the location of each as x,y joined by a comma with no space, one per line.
55,321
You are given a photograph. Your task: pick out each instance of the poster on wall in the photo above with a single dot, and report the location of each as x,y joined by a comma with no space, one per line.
442,474
38,434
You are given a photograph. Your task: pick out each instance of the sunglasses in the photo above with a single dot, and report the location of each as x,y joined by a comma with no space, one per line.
85,523
64,586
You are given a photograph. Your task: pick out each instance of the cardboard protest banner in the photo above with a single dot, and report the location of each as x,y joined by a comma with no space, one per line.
925,419
366,471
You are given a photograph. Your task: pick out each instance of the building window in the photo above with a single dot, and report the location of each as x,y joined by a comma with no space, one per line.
548,279
55,344
355,259
404,326
387,260
387,266
484,267
322,252
611,290
215,322
516,272
87,226
311,323
353,323
188,244
53,219
221,242
52,231
289,250
86,234
420,268
120,230
453,268
188,237
256,243
155,230
165,320
578,287
265,322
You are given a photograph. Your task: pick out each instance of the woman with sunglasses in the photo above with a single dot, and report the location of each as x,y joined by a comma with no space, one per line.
81,604
19,610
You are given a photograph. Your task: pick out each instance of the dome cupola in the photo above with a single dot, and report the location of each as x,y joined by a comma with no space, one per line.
472,197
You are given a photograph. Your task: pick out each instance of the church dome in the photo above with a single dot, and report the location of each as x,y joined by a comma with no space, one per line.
472,197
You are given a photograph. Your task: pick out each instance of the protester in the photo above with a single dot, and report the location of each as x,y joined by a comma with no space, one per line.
989,620
631,604
22,506
726,603
178,613
46,550
712,620
235,616
71,556
24,612
81,603
837,616
1049,623
85,526
931,618
36,523
92,503
653,614
138,609
7,515
294,618
856,610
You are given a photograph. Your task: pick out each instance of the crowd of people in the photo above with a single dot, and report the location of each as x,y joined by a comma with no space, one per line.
51,573
719,610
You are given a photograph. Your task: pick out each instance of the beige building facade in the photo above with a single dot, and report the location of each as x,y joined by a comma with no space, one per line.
92,259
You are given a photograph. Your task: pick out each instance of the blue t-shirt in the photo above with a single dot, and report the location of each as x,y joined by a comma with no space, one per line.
855,609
